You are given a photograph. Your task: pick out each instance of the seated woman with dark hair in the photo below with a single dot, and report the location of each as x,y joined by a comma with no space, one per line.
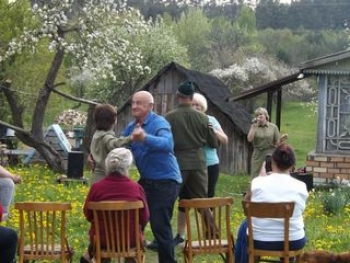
277,186
8,242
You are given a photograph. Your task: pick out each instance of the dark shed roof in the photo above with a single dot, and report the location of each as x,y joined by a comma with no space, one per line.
214,90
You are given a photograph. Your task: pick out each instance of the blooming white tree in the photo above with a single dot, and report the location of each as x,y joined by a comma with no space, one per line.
259,70
87,37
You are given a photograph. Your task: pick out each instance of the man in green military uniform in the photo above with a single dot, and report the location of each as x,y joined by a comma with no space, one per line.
191,131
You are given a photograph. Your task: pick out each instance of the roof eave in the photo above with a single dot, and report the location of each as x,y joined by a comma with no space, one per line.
271,86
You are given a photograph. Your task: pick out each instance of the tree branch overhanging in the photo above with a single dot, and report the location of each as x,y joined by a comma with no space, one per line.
15,128
70,97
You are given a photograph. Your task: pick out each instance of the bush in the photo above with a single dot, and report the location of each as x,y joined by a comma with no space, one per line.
335,200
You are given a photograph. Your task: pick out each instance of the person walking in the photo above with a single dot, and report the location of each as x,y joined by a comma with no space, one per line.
152,146
192,132
200,103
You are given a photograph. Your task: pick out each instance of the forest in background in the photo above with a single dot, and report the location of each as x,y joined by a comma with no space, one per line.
292,33
246,44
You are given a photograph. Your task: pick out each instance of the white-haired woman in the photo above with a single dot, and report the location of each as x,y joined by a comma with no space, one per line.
115,186
264,136
199,102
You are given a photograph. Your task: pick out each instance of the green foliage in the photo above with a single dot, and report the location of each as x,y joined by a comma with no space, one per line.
223,39
296,47
158,47
335,200
334,203
246,31
193,31
309,14
27,72
14,16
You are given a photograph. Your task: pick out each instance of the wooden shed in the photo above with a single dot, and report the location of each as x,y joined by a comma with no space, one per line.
234,118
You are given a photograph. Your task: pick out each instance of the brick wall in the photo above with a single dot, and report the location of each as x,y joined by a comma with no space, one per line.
328,166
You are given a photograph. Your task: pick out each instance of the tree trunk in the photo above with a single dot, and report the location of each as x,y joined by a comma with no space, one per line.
35,138
50,155
89,130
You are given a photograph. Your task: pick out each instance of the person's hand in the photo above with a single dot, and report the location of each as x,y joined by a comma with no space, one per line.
91,162
138,134
254,126
283,137
16,179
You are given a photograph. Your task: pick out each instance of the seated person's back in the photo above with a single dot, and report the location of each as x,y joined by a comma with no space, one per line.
115,186
273,187
279,186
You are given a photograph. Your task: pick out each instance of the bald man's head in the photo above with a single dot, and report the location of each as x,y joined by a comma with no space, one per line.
141,104
144,96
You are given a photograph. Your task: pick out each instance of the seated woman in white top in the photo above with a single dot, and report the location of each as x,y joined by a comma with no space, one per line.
279,186
276,186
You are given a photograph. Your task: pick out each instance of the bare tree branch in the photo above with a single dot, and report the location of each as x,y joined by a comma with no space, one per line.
15,128
74,98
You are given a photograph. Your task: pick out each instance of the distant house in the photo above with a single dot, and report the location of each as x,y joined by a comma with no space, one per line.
234,119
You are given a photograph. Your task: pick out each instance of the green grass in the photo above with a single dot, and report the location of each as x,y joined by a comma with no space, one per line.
323,231
299,123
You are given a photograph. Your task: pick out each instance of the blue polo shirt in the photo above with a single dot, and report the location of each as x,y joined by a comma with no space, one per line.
154,157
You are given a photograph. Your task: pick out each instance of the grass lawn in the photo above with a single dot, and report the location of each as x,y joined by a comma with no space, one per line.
299,123
324,231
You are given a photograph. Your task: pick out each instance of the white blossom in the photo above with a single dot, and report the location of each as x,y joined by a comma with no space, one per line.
98,41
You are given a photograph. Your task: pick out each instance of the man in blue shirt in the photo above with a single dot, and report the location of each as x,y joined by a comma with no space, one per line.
160,176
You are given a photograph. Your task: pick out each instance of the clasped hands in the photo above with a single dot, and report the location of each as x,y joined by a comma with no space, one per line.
138,134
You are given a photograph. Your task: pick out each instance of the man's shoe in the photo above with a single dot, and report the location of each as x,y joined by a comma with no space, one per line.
178,240
152,246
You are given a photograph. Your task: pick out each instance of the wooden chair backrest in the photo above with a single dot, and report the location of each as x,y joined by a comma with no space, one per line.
208,222
112,219
43,231
282,210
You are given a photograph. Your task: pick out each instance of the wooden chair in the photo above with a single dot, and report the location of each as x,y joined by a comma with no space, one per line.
43,231
113,219
208,228
270,210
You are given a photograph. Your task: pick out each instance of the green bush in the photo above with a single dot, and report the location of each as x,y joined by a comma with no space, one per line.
335,200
